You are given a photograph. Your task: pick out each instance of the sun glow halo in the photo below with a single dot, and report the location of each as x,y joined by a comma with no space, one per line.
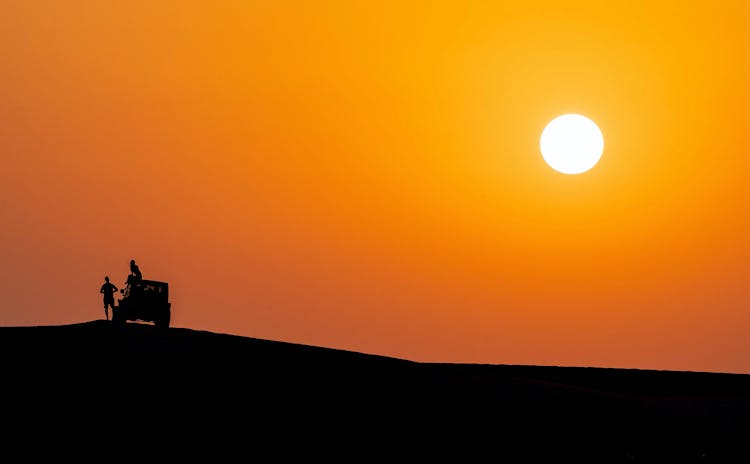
571,144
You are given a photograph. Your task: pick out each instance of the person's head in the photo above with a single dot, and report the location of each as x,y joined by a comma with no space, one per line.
132,262
106,278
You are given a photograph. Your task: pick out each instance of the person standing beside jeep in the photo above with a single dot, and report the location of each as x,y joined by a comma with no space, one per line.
108,289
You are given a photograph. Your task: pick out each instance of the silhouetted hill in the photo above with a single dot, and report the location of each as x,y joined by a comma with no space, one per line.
189,391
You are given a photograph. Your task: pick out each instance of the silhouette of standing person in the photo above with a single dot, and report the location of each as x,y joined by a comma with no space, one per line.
108,289
135,271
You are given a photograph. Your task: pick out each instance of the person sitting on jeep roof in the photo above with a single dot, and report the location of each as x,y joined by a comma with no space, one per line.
135,271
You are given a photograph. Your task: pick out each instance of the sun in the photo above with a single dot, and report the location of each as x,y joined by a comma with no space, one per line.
571,144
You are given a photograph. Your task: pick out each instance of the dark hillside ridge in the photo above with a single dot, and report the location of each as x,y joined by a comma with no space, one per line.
232,392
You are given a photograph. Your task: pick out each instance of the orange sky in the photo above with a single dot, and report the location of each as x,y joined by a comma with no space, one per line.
368,178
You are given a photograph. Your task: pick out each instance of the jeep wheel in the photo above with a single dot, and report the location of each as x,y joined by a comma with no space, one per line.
118,317
163,321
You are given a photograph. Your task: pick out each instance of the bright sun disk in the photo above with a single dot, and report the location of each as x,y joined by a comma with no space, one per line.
571,144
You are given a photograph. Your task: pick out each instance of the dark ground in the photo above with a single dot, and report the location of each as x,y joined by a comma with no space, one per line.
148,393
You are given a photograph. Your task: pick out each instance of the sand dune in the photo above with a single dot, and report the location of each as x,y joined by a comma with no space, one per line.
182,390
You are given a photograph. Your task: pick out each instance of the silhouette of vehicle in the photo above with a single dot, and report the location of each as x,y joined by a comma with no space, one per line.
144,300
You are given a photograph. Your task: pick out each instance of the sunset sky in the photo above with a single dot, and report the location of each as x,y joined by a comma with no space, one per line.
366,176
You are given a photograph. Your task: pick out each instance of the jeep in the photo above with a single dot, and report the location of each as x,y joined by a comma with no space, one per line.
144,300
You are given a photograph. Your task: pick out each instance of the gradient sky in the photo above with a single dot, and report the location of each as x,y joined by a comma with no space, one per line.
367,177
